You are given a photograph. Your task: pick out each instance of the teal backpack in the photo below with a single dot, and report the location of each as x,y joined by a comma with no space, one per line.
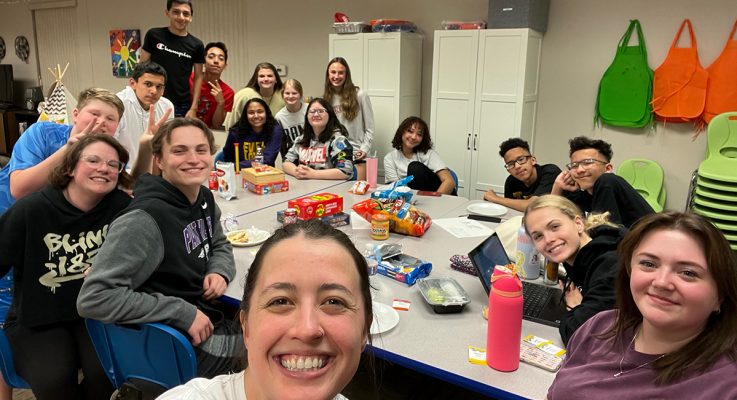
626,89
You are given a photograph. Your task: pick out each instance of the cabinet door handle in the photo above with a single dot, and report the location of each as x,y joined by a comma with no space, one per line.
474,141
468,142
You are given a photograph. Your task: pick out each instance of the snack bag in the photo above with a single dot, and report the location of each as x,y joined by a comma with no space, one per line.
403,217
226,180
359,187
395,190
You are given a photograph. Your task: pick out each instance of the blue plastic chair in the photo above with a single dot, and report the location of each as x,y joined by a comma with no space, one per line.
151,357
219,157
355,174
455,178
7,367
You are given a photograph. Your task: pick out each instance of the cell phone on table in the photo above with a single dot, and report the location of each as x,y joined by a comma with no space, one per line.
428,193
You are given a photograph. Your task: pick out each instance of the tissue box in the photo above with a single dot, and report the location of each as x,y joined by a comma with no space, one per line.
335,220
404,268
319,205
275,187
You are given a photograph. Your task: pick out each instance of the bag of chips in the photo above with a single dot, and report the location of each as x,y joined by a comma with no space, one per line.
226,180
403,217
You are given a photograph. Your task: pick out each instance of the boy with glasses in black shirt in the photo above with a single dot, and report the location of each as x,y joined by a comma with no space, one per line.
593,186
178,52
526,180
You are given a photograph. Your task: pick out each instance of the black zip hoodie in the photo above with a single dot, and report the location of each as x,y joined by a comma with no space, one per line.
158,252
593,272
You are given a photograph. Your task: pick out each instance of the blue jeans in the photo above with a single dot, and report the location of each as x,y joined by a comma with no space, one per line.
181,110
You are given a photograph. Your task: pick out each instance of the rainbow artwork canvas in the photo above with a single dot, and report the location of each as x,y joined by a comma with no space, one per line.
125,49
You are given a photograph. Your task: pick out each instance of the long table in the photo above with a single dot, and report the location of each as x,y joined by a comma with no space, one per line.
433,344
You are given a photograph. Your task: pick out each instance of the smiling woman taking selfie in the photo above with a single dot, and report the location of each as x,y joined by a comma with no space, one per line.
673,334
50,238
257,129
304,333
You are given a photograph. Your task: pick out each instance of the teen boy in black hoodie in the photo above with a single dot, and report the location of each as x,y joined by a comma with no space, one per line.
166,255
594,188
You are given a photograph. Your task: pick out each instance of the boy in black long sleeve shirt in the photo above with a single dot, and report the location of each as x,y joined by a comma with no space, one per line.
594,187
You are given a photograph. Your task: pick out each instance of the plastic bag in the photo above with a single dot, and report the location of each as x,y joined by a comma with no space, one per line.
404,218
226,180
393,25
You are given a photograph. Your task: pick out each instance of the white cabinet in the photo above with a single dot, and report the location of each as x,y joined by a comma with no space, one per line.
484,91
388,67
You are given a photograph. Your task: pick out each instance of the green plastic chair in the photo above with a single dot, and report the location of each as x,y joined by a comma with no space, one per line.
716,204
715,214
646,177
713,184
716,194
721,141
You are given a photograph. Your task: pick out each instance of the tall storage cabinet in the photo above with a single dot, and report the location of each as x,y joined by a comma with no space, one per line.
388,67
484,91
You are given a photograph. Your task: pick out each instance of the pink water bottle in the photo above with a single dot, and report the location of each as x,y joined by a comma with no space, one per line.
505,320
372,170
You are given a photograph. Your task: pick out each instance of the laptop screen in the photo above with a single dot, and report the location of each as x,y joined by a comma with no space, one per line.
486,256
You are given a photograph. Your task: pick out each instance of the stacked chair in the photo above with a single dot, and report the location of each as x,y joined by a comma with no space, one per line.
646,177
715,191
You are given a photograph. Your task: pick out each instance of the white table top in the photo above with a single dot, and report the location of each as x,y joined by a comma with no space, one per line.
434,344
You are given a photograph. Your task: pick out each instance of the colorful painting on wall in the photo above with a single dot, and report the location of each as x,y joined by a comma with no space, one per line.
125,49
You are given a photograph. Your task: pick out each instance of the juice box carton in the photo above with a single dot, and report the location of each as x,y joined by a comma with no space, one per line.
317,206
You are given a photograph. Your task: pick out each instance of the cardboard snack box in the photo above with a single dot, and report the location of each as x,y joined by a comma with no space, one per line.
272,175
317,206
274,187
335,220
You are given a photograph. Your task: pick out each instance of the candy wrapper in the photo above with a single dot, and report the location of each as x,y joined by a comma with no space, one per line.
403,217
226,180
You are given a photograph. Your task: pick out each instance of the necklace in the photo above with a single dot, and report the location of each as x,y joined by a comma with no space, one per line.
620,361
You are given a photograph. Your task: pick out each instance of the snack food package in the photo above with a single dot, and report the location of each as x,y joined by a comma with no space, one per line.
360,187
403,217
226,180
317,206
395,190
404,268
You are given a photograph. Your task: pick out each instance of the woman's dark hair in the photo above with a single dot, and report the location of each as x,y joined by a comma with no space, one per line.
349,93
253,83
312,229
719,338
332,126
409,122
244,126
59,177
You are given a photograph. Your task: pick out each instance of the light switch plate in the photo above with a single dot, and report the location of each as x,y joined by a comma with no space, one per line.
281,69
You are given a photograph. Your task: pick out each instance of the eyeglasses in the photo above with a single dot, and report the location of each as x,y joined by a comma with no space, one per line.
317,111
519,161
586,164
95,161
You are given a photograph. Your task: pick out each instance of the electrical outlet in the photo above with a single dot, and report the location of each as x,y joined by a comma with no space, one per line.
281,69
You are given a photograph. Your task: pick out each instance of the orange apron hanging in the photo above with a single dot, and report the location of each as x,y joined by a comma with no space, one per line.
679,85
721,91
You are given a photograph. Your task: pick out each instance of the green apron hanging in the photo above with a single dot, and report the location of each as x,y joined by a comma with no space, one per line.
626,89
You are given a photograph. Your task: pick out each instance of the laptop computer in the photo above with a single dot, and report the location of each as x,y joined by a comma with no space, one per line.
542,304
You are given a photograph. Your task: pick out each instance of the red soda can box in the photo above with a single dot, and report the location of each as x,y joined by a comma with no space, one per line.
317,206
213,180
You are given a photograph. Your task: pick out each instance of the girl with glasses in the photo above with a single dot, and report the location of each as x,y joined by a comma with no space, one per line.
587,247
413,155
50,239
353,108
673,334
324,151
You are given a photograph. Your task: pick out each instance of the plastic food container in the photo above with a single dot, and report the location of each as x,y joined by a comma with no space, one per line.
351,27
444,295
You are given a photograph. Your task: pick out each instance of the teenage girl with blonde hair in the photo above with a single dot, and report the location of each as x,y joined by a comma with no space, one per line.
587,247
292,117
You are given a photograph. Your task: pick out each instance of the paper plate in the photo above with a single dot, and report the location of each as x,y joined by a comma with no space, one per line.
255,237
385,318
488,209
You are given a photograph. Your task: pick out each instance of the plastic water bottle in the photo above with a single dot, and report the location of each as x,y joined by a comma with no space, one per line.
528,257
259,157
504,327
370,255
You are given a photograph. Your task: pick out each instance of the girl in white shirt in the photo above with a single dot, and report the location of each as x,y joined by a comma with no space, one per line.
413,155
353,108
292,117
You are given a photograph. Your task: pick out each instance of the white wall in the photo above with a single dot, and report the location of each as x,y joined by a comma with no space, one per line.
580,44
16,20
